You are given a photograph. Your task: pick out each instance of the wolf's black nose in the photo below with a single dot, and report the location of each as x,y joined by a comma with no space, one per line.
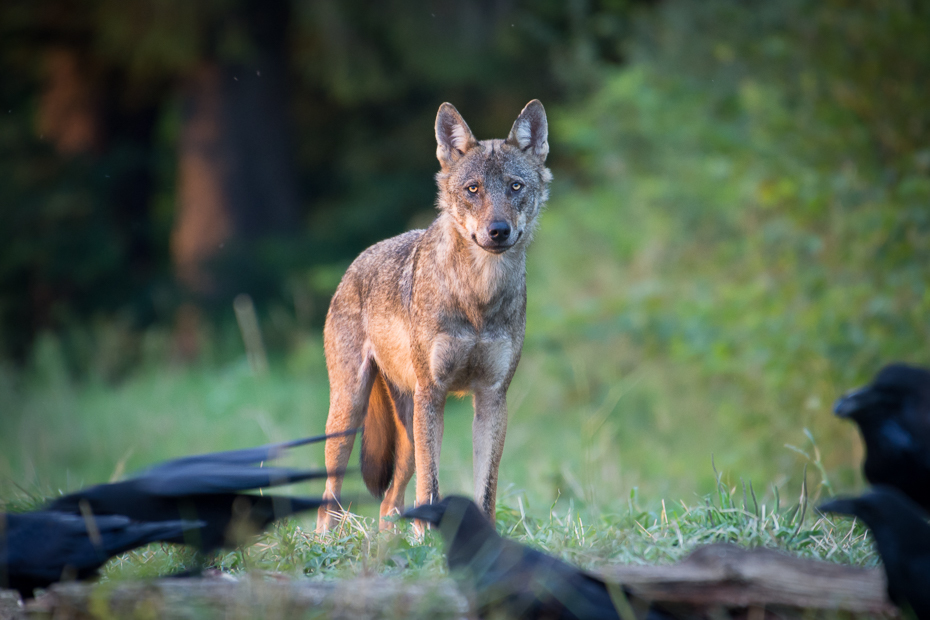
499,231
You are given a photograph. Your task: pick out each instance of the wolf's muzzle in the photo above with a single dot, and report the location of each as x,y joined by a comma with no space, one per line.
499,237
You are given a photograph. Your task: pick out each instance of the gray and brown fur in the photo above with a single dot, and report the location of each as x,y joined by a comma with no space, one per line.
438,311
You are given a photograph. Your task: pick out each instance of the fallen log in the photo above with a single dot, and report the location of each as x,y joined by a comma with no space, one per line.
248,597
10,606
725,577
715,581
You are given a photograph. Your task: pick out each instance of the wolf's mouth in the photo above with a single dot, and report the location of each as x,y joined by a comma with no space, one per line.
495,248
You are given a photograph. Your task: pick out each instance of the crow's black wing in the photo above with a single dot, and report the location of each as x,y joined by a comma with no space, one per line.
211,478
232,518
580,594
245,456
39,545
117,536
527,583
914,584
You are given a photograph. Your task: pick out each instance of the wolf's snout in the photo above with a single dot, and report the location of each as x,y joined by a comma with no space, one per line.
499,231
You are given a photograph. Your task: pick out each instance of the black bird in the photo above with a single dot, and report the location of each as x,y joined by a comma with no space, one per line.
902,536
517,581
893,415
203,488
40,548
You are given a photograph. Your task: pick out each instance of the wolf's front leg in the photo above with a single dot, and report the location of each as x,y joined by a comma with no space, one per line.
428,407
488,431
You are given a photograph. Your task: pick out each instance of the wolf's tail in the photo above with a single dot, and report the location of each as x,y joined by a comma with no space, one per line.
379,438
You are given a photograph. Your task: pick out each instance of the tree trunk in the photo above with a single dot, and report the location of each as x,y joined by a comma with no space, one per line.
236,181
204,220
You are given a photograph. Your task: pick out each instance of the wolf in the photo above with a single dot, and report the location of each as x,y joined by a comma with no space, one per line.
436,312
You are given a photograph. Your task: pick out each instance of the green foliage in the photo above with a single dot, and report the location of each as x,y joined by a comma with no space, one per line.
86,237
728,250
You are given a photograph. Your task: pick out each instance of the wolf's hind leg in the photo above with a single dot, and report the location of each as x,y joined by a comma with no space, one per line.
350,388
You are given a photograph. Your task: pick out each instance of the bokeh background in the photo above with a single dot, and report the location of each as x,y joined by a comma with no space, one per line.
739,227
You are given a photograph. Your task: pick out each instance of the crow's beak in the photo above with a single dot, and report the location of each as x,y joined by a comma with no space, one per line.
430,513
840,506
852,402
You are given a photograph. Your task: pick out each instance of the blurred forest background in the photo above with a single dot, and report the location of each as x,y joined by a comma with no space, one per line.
739,227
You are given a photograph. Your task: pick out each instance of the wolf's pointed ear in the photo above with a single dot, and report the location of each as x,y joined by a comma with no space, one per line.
453,137
530,131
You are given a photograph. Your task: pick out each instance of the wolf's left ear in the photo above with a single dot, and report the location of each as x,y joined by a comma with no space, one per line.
530,132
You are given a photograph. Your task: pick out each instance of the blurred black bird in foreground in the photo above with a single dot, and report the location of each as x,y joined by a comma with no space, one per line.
40,548
893,415
516,581
204,488
902,537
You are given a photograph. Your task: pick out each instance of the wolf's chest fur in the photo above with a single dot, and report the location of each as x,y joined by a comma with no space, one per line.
458,317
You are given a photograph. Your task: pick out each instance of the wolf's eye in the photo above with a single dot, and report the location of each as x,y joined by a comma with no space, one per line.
516,186
473,188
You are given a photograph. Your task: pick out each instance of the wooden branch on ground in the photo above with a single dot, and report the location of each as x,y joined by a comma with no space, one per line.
716,581
252,596
731,577
10,606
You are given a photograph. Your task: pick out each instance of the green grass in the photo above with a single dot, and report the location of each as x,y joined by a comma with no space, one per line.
56,436
589,540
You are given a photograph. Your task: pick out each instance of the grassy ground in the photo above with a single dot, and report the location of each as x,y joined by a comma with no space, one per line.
56,435
634,537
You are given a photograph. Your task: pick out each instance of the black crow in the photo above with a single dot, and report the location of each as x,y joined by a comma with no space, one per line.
203,488
517,581
893,415
902,536
40,548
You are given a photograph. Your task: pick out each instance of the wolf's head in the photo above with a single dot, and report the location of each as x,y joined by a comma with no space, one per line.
494,189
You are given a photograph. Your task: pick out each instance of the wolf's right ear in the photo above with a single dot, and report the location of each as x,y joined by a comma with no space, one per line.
530,131
453,137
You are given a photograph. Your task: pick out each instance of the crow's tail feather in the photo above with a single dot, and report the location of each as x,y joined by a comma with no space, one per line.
292,505
316,438
136,534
